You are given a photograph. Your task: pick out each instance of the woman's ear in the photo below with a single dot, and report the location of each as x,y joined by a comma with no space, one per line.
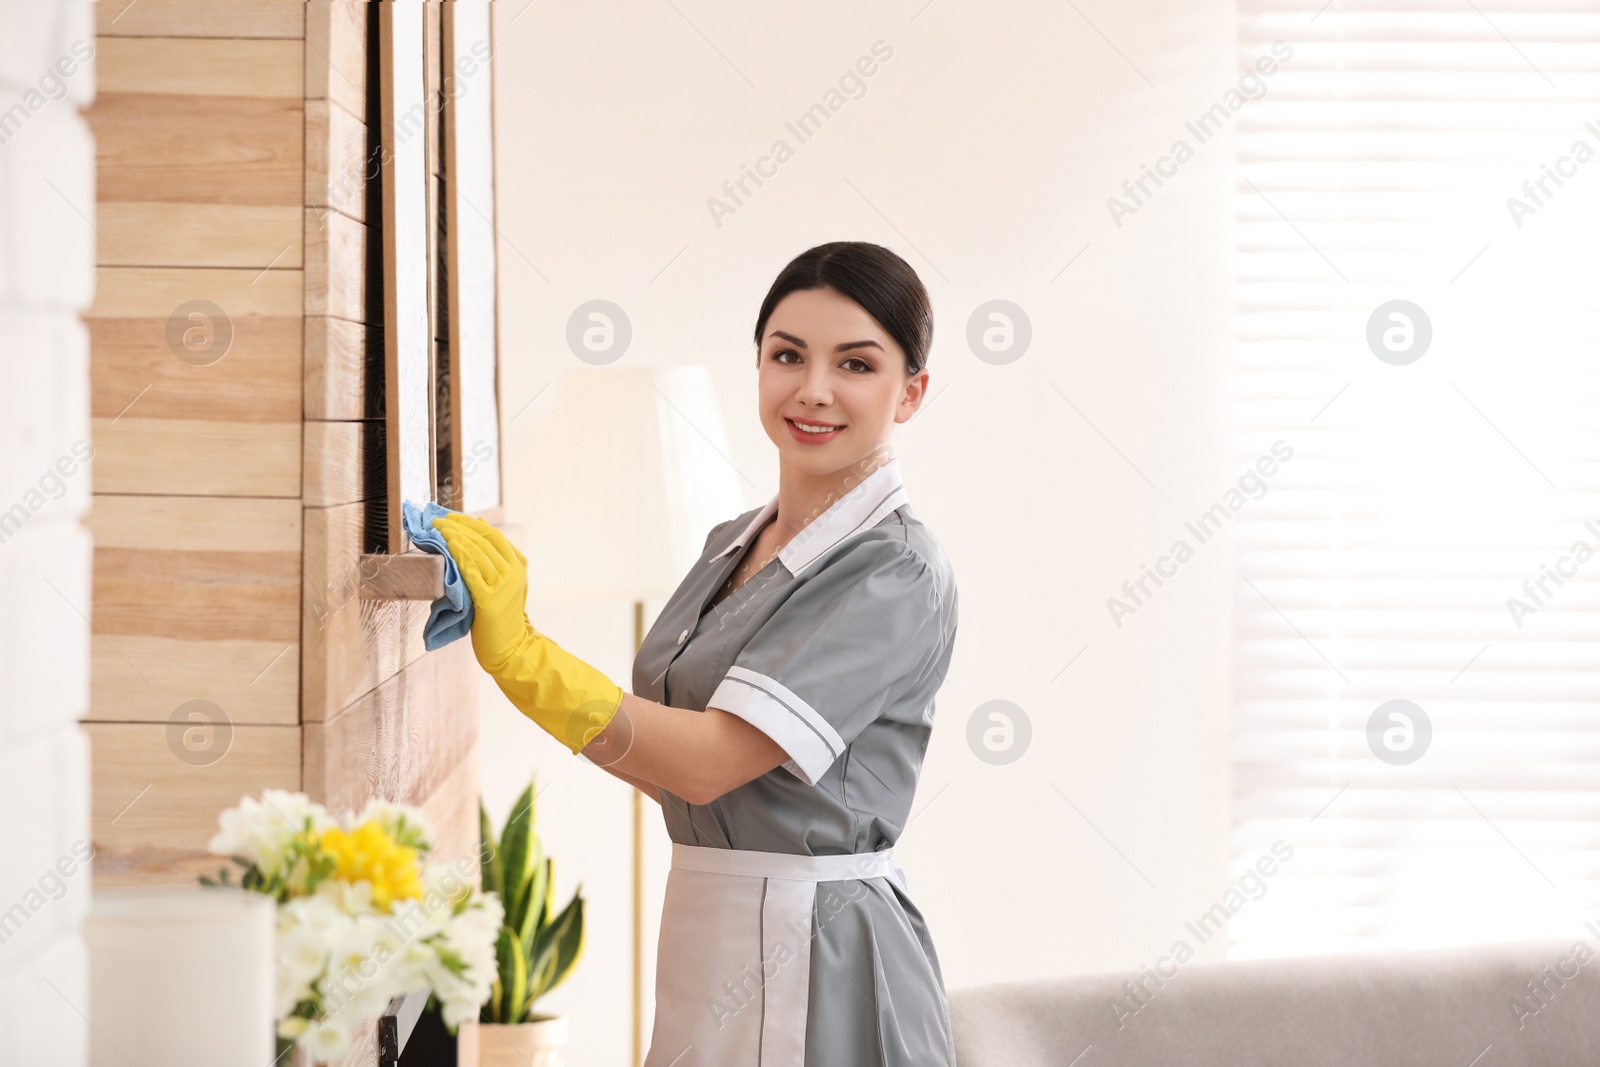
916,391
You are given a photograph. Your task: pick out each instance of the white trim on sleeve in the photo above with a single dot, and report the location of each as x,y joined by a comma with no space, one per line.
765,703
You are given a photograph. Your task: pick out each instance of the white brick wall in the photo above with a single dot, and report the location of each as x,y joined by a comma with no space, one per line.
47,253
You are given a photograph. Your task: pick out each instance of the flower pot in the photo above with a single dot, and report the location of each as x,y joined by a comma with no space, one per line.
539,1043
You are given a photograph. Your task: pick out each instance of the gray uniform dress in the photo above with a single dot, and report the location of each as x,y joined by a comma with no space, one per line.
835,650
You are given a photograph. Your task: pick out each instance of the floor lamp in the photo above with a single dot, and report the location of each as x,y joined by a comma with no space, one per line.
634,463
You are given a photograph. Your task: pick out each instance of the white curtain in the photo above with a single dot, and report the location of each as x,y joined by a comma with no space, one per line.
1435,537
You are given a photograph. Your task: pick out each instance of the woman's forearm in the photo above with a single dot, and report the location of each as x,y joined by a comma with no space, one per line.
696,755
649,789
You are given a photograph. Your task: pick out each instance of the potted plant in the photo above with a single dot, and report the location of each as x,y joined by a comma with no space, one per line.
537,948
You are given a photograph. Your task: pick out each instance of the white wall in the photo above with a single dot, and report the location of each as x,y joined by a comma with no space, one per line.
46,277
983,151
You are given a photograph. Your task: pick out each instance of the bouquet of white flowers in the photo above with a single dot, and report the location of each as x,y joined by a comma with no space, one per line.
361,919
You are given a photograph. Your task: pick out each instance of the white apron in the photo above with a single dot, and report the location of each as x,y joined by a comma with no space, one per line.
733,964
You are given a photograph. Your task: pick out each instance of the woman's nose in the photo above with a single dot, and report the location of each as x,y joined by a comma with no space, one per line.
815,389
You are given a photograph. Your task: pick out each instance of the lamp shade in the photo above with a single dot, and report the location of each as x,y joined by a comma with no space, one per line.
631,475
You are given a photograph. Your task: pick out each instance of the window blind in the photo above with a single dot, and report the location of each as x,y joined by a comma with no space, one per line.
1435,538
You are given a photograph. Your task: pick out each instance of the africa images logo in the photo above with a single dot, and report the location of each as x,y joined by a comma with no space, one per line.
1252,85
1251,485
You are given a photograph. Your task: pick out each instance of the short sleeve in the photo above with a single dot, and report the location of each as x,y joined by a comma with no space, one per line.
843,647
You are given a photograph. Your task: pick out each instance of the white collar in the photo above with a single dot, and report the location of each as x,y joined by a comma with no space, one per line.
860,508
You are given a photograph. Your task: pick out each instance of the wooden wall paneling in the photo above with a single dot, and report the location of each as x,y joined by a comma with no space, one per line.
401,740
470,207
342,334
200,67
156,797
344,463
199,122
339,457
199,145
349,645
195,598
344,369
405,251
336,266
412,576
189,455
199,149
202,235
200,18
336,53
452,811
337,164
195,381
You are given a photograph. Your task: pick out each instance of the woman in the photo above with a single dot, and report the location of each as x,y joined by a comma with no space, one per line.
781,703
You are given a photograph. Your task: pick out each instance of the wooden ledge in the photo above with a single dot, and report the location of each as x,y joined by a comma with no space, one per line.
411,576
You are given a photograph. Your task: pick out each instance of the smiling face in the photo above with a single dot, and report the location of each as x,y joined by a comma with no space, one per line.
825,362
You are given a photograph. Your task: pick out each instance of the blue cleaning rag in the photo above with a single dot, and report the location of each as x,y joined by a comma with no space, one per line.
451,615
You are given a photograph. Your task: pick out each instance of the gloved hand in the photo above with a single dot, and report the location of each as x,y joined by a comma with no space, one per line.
566,697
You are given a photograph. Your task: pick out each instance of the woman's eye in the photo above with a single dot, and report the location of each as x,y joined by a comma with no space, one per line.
855,363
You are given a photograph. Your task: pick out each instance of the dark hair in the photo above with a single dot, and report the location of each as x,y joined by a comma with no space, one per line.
874,277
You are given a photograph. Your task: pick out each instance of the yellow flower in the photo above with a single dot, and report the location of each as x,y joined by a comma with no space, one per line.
369,854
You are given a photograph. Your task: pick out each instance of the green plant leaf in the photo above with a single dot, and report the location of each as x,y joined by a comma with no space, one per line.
555,950
534,910
569,945
489,856
545,911
550,892
516,859
509,1000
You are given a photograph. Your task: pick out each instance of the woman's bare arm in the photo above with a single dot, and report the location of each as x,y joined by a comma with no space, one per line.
697,755
647,788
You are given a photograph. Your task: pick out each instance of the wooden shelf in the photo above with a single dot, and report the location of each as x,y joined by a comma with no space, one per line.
409,576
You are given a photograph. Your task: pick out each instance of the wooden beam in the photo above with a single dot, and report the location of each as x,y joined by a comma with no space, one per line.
195,381
343,462
336,266
452,811
198,235
350,645
401,741
193,456
343,369
196,66
160,787
195,598
199,18
195,344
337,164
199,149
417,575
336,53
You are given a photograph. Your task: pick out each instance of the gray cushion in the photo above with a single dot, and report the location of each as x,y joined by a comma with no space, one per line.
1429,1008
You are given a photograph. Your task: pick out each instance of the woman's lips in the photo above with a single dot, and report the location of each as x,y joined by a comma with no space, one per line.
805,437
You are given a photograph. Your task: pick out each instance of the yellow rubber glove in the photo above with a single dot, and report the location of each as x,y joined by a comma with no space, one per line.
566,697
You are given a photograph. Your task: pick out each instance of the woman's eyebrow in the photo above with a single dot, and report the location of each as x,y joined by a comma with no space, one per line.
846,347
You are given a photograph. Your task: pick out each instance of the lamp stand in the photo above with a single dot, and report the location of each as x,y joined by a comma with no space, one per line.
638,882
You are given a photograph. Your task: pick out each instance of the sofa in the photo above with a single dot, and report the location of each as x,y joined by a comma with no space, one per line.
1510,1004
